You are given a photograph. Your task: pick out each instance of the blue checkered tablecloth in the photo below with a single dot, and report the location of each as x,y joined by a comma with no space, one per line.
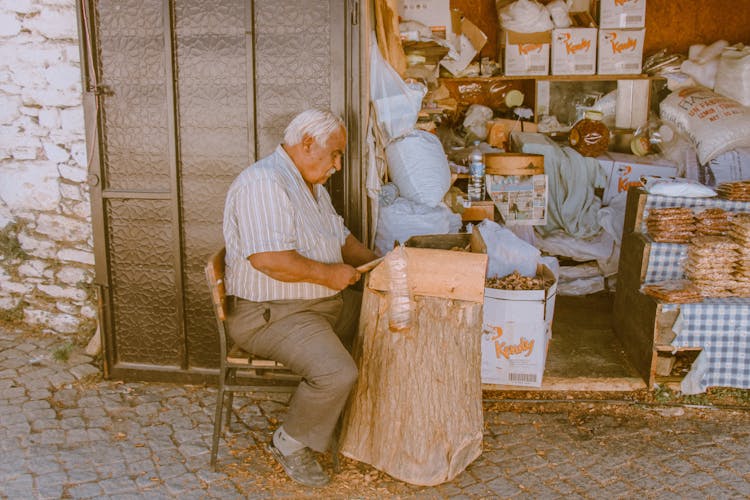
666,261
721,327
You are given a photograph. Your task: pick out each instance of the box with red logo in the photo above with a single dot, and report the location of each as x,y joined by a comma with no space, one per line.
620,51
628,169
526,54
573,49
622,13
516,328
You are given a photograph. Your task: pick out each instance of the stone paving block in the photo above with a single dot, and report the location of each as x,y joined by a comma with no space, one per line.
43,465
60,379
12,392
78,474
39,394
85,490
166,469
52,436
19,487
181,484
118,485
84,370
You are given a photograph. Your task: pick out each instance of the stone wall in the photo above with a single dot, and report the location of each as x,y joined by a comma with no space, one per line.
46,246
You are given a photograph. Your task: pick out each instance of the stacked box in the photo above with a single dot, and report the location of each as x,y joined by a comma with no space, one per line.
526,54
573,50
620,51
622,14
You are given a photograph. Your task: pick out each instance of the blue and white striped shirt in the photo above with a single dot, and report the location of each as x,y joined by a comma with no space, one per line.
269,208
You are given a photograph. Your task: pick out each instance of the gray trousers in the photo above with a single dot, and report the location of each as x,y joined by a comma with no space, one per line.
312,338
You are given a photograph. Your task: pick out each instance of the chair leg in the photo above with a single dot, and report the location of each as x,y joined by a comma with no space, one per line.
217,425
230,401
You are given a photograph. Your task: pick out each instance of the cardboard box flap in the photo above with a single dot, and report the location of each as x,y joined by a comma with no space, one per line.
516,38
439,273
468,39
513,164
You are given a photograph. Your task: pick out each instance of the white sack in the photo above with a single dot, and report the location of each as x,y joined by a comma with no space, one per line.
417,164
714,123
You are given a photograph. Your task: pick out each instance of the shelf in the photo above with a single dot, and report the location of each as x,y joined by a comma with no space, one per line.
593,78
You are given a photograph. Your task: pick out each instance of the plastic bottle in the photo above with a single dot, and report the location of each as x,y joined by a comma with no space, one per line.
400,301
476,173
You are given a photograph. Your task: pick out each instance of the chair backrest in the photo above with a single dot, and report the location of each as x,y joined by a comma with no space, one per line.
215,279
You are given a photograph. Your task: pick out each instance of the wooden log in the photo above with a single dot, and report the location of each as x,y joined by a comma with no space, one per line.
416,410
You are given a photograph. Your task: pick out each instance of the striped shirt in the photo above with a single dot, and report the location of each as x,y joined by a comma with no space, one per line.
269,208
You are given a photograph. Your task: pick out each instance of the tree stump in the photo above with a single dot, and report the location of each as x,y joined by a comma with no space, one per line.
416,409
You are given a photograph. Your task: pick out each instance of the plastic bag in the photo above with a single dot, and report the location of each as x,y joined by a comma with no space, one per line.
417,164
403,219
507,252
476,120
733,74
396,104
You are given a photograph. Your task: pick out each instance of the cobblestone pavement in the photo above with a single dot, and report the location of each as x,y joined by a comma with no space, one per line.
65,433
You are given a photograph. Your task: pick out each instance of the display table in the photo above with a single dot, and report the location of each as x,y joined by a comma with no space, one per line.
719,327
416,409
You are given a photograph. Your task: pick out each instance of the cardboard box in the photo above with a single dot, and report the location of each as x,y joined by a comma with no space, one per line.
516,329
622,13
526,54
573,50
620,51
436,14
628,169
468,40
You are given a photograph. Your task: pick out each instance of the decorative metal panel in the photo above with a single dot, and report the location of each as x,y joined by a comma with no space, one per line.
212,56
144,308
293,64
133,68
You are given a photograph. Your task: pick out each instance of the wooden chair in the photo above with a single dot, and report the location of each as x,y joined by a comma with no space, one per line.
239,371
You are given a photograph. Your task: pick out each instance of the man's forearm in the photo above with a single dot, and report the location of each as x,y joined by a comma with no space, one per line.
355,253
290,267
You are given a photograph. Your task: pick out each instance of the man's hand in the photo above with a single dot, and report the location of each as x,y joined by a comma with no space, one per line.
342,275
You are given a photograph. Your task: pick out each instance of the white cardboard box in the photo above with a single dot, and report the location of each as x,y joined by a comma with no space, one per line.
628,169
622,13
620,51
526,54
431,13
573,49
516,329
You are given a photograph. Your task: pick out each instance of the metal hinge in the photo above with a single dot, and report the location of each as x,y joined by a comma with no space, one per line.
104,90
355,12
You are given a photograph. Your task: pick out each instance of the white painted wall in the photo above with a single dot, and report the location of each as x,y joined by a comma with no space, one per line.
44,200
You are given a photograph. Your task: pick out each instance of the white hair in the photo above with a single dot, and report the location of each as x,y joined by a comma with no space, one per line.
317,123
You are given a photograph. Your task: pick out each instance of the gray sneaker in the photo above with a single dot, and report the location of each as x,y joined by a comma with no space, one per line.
301,466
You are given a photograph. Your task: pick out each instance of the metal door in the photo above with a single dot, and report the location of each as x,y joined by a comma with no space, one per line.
180,96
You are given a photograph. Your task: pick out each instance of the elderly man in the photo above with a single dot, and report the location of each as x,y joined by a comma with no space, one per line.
289,261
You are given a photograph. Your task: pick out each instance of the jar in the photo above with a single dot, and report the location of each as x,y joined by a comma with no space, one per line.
590,136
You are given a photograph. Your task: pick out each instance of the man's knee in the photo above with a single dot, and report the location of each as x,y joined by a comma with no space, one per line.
345,375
